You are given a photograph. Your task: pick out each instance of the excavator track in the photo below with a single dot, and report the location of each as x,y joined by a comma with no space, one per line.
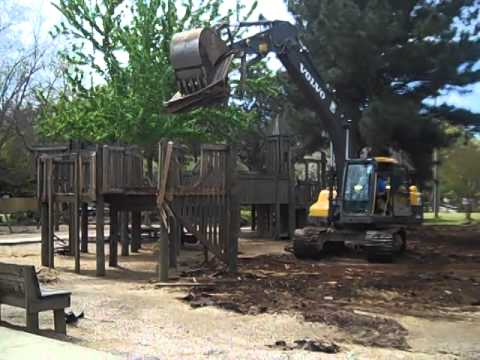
384,246
380,246
308,244
313,242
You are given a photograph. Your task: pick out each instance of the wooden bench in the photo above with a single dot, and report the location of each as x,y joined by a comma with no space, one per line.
19,287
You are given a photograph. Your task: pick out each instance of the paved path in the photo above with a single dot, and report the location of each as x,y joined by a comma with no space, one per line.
20,345
19,239
24,238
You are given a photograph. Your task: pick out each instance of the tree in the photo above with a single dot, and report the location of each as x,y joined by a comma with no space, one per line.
119,75
460,174
22,72
386,59
262,96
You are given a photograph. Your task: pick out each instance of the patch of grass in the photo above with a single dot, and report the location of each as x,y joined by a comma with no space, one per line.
246,214
450,218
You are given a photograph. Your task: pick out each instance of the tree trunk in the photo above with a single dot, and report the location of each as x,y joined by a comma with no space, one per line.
468,212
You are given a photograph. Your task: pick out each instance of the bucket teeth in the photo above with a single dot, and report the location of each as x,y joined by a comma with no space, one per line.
201,61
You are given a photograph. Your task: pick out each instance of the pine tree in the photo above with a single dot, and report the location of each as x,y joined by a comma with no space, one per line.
387,60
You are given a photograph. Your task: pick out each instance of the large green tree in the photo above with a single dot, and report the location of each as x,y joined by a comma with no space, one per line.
460,174
119,74
387,60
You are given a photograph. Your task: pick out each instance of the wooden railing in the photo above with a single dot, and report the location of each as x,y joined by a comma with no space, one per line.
121,171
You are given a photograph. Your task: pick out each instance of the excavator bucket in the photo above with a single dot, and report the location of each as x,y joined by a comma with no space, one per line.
201,60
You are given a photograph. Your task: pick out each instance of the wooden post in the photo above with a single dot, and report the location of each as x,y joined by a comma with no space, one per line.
164,163
233,210
278,218
100,203
75,216
51,214
84,226
271,223
173,242
57,212
113,239
275,209
45,236
259,221
124,232
162,268
292,206
71,230
253,215
136,230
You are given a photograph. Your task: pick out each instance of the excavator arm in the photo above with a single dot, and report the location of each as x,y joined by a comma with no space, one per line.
202,60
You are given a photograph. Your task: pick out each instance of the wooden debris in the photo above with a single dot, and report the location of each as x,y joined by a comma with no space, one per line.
181,284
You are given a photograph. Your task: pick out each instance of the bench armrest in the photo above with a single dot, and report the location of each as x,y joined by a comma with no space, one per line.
46,292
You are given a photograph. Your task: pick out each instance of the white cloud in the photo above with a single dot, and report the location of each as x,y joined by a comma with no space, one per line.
39,20
271,9
469,101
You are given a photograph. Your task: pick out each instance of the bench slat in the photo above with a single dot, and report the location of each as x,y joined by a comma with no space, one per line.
11,286
12,280
11,269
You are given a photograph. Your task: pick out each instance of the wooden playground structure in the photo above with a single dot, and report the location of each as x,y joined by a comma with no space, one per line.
278,198
204,201
77,177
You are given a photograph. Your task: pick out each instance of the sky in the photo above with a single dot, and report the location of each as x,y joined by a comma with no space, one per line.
41,15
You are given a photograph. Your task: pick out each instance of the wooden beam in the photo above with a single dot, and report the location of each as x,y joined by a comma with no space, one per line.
233,210
173,242
100,220
57,211
84,228
71,229
124,232
253,216
165,164
291,195
136,230
162,267
75,216
44,231
113,239
51,214
181,284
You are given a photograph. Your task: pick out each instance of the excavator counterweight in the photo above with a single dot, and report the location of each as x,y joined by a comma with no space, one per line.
201,60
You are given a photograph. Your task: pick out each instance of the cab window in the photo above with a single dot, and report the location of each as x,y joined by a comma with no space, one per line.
357,188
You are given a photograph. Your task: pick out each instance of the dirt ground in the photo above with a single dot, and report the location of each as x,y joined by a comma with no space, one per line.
425,306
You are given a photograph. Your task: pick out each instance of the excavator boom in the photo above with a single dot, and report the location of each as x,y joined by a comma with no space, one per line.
202,60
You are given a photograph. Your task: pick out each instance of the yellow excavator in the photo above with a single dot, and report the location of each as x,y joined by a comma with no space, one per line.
377,203
370,200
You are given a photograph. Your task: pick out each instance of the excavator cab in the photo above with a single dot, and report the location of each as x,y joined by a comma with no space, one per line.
201,60
378,191
375,191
